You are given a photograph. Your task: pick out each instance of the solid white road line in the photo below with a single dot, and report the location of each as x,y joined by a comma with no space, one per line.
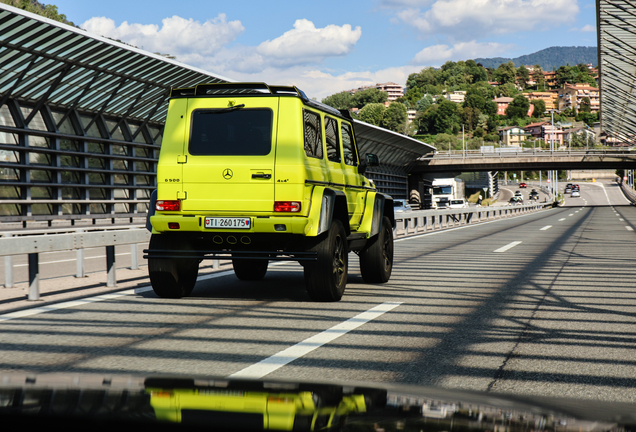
508,246
547,227
628,228
278,360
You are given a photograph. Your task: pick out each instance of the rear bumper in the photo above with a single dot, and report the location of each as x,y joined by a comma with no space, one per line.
259,224
234,255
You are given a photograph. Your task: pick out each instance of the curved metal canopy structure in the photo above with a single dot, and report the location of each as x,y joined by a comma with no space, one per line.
391,147
46,61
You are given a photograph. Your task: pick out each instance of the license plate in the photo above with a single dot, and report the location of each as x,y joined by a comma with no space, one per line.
228,223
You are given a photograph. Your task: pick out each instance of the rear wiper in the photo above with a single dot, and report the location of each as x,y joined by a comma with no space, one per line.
224,110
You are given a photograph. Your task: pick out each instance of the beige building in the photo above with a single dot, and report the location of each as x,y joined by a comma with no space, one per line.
392,89
571,95
550,98
512,135
456,96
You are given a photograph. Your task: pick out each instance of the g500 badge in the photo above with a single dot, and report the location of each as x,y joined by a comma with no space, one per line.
172,180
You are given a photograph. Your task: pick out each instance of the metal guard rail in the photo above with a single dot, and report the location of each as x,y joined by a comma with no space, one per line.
421,221
415,222
33,245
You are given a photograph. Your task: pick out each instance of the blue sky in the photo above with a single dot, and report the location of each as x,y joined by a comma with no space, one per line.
328,46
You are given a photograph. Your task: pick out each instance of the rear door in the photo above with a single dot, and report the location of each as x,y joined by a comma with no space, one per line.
230,153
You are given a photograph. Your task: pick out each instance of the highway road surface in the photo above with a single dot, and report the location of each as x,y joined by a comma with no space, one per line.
541,304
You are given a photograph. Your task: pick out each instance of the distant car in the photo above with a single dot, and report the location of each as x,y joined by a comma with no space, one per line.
575,194
401,206
458,204
569,185
523,185
534,195
516,200
518,193
575,188
568,189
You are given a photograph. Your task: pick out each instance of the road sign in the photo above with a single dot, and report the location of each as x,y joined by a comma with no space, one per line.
548,180
625,178
514,175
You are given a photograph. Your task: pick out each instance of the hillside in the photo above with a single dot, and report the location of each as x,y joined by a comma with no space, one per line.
549,58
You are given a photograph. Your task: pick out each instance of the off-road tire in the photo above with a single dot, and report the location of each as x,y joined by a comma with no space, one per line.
171,278
326,278
250,269
376,260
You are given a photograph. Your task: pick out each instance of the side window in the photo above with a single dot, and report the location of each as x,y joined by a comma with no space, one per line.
313,134
348,146
331,137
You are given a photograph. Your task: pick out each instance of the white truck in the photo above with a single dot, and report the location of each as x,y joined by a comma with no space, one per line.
445,190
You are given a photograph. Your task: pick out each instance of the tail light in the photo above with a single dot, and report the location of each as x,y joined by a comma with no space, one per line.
168,205
287,206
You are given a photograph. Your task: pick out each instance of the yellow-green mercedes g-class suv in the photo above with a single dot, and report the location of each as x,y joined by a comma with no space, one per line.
260,173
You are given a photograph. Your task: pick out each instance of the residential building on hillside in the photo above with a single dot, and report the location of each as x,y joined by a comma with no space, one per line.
571,95
550,98
392,89
550,79
581,132
512,135
456,96
552,134
536,129
411,114
503,102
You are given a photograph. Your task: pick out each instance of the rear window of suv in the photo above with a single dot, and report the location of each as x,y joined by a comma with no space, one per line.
239,132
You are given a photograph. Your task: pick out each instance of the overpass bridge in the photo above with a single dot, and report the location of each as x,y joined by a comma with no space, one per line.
526,160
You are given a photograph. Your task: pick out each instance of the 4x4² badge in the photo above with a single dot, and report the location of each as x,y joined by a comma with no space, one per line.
227,174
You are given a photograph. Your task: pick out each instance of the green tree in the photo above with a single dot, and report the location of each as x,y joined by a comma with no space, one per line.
446,118
372,113
425,102
518,108
470,117
506,73
395,117
524,75
538,77
474,100
539,108
507,90
342,100
48,11
586,106
477,72
369,96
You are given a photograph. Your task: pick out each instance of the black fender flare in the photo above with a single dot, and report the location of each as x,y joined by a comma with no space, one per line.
382,206
151,209
333,206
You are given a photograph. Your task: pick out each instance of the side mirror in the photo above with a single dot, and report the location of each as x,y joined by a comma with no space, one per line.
372,160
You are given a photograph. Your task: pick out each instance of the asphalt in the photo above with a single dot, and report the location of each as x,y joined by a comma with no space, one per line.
551,314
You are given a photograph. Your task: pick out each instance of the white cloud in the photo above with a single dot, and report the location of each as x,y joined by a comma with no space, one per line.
436,55
177,36
472,19
308,44
588,28
205,44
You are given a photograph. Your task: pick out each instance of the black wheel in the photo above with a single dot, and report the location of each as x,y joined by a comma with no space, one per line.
326,278
171,278
376,260
250,269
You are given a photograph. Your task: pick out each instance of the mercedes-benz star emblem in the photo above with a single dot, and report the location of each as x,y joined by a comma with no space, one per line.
227,174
